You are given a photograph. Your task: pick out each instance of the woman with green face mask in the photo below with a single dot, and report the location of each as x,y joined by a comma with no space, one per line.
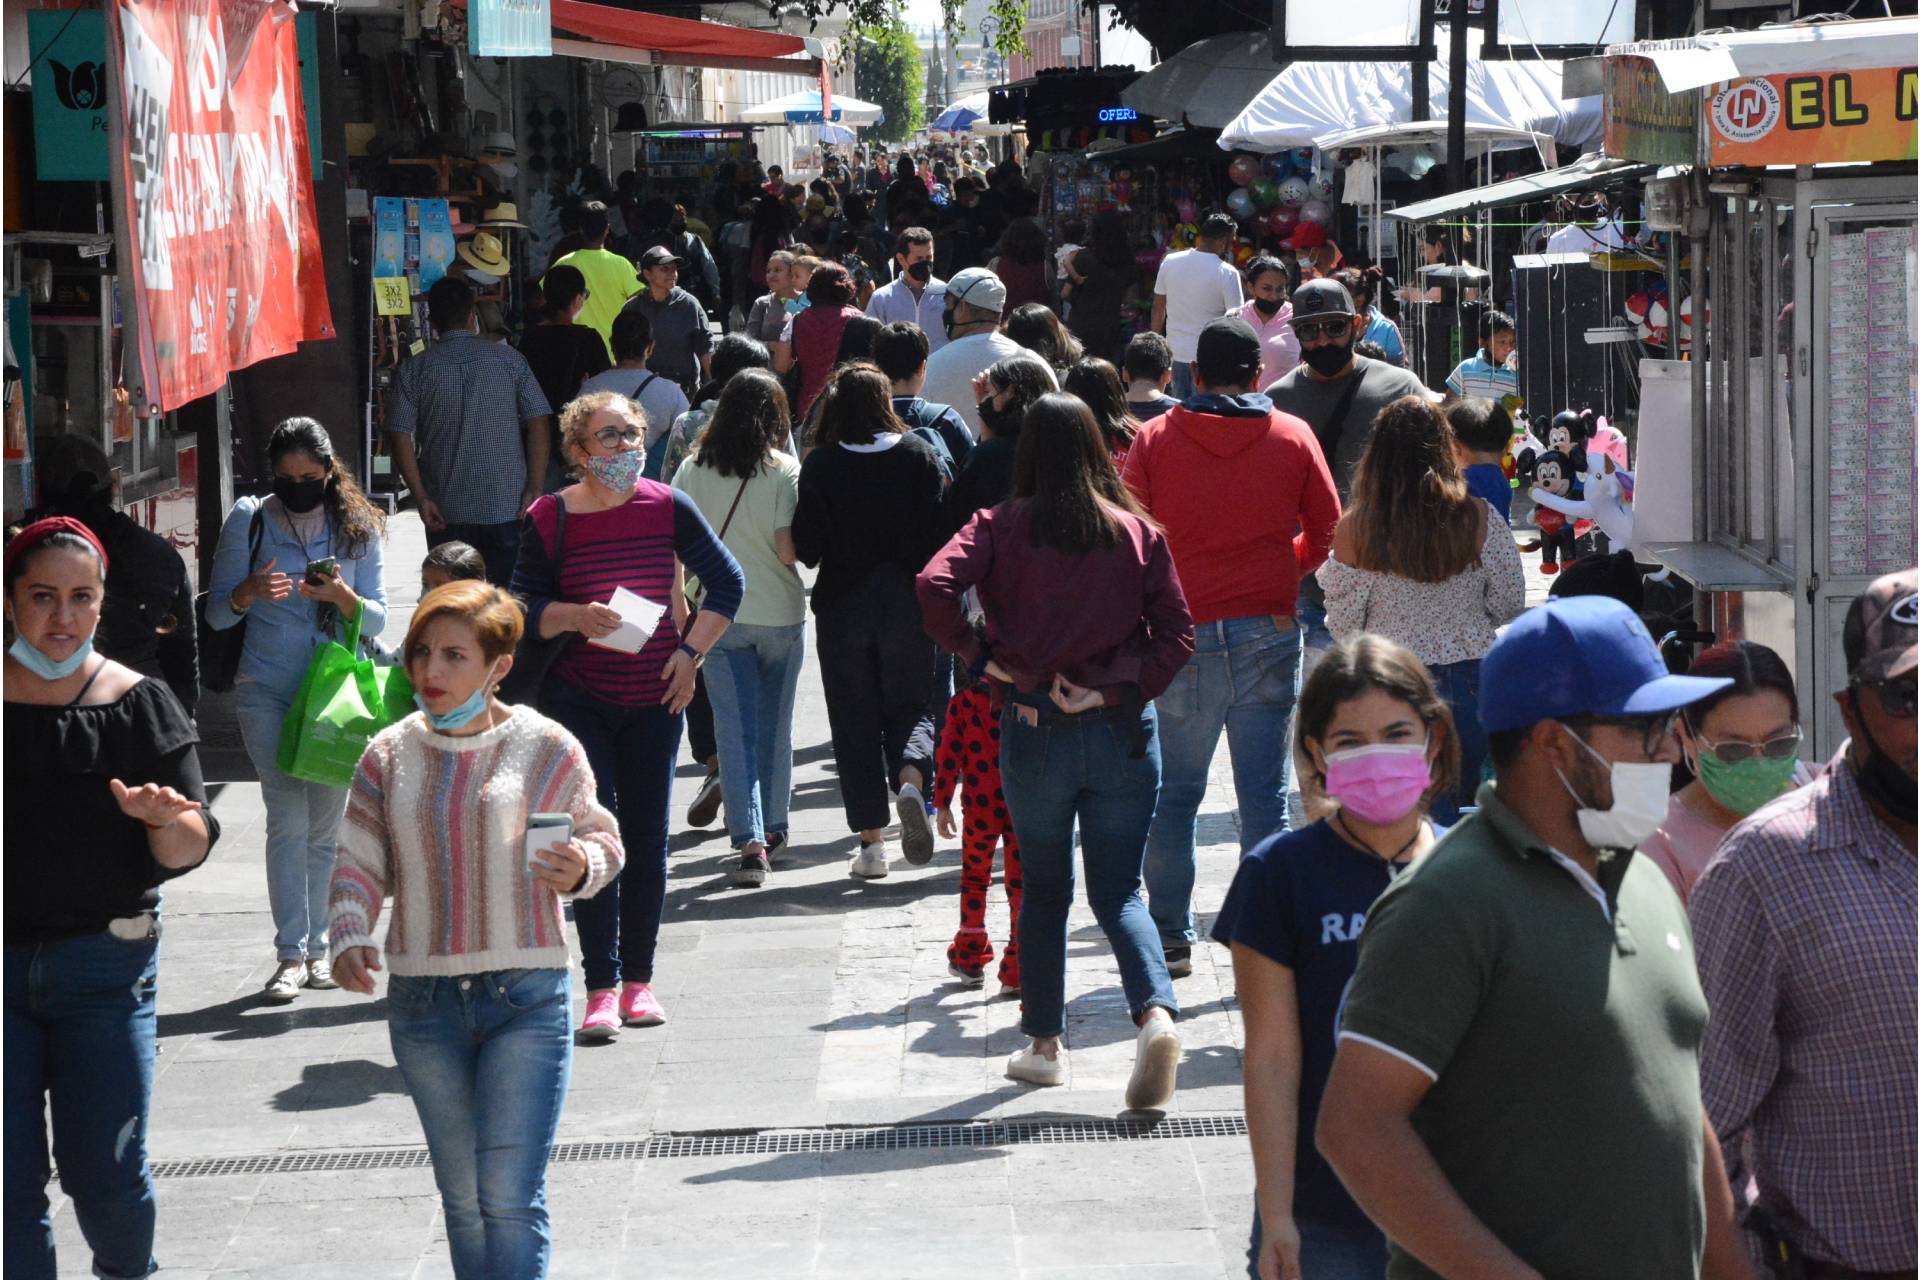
1743,747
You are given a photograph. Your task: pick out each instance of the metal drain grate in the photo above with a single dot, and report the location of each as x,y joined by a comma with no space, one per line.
755,1142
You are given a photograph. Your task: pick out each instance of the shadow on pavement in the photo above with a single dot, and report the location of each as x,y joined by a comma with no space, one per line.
326,1086
247,1017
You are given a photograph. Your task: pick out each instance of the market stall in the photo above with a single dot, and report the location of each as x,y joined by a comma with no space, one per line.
1786,473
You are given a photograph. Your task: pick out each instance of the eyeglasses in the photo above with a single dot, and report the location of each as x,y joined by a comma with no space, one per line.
614,437
1899,698
1309,330
1736,752
1655,731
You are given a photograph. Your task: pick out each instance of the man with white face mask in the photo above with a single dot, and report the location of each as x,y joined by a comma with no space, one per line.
1517,1086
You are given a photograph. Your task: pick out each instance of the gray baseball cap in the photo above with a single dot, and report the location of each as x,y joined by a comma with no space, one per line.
1323,297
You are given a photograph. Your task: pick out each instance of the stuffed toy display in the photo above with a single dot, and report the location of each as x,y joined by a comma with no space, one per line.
1555,475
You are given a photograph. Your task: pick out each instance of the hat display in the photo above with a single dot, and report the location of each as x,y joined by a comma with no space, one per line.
1588,655
631,118
1878,638
504,214
1321,297
660,256
498,143
485,252
978,287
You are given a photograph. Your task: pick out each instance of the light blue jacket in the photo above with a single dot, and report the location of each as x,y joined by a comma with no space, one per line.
282,634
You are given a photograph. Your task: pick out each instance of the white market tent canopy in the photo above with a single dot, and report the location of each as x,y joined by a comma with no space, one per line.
1312,100
1583,174
804,108
1697,61
1206,84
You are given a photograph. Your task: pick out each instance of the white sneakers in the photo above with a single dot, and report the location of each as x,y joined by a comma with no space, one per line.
871,862
1156,1060
1030,1065
284,986
916,829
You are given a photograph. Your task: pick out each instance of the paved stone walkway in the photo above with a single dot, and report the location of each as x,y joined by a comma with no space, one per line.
815,1001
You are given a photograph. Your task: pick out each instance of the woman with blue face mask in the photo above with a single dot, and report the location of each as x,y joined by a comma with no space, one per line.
476,942
1742,746
622,694
104,804
314,516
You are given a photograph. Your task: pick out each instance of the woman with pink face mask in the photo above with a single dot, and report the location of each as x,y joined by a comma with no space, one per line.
1375,735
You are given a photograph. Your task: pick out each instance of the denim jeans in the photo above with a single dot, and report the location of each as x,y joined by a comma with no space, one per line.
486,1058
753,675
303,824
80,1037
631,751
498,545
1315,640
1459,686
1241,678
1182,386
1333,1252
1081,767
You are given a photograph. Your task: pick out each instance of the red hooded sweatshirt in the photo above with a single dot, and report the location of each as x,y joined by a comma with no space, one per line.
1246,500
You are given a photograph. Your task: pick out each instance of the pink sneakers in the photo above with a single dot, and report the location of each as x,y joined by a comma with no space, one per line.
603,1019
639,1007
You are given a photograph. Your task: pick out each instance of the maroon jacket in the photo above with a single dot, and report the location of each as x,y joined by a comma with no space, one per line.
1103,619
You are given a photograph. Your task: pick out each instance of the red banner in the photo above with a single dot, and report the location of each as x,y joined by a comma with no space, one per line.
217,190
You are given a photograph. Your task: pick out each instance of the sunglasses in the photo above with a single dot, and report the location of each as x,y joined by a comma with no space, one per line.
614,437
1899,698
1309,330
1655,731
1735,752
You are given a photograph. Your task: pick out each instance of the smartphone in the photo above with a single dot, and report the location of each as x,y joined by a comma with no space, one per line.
318,571
545,830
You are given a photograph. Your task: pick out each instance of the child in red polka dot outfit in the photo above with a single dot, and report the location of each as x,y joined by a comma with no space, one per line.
969,761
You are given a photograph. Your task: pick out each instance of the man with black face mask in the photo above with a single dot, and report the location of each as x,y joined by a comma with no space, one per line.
915,295
1804,923
974,299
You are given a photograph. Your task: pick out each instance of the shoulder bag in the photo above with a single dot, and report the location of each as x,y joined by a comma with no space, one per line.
693,604
220,648
533,658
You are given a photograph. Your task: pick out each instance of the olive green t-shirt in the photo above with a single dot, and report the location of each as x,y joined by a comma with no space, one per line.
1560,1017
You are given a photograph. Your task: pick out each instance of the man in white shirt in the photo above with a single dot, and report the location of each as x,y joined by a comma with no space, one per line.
1195,286
974,300
915,295
1589,230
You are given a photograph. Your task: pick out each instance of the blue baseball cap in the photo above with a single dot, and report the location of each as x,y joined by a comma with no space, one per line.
1580,656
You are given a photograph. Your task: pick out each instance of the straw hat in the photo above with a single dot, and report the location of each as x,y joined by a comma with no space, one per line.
486,253
504,214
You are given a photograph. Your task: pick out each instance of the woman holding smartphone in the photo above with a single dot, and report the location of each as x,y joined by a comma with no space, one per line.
294,565
439,817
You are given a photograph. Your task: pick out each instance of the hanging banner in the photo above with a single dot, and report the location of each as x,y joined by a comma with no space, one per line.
510,28
216,190
69,51
1642,120
1817,118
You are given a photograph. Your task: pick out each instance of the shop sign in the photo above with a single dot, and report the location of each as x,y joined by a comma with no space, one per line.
1816,118
510,28
1644,122
69,50
1118,115
216,190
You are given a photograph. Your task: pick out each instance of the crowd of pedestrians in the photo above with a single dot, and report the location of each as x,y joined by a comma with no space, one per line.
1551,962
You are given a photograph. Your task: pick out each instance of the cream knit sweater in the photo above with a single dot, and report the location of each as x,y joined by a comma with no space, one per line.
439,823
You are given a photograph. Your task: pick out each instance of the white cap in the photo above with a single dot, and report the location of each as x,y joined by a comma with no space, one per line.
978,287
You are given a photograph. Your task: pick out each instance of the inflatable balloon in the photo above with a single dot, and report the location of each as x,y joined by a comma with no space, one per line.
1240,204
1322,189
1294,192
1686,321
1265,193
1281,222
1243,169
1186,211
1317,211
1303,158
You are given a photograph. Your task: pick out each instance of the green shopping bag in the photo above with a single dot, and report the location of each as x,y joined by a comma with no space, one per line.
344,700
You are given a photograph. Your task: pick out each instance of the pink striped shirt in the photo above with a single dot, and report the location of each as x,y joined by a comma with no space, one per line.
439,824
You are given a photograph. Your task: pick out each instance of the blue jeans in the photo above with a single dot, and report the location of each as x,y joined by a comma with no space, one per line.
1182,386
486,1058
1333,1252
1241,678
1459,685
753,675
303,824
80,1036
1059,769
631,751
1315,640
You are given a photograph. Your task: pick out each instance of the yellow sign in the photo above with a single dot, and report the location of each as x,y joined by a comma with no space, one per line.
391,296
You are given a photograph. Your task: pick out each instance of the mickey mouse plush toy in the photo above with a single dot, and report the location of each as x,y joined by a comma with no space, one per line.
1557,470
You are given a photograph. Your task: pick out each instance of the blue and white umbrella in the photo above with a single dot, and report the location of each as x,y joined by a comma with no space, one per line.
836,135
962,115
804,108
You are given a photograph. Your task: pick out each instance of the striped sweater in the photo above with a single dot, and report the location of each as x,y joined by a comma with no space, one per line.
439,823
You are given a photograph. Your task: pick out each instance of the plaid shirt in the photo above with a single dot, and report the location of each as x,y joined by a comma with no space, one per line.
1804,925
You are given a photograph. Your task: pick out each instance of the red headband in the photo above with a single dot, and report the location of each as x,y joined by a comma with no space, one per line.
40,530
